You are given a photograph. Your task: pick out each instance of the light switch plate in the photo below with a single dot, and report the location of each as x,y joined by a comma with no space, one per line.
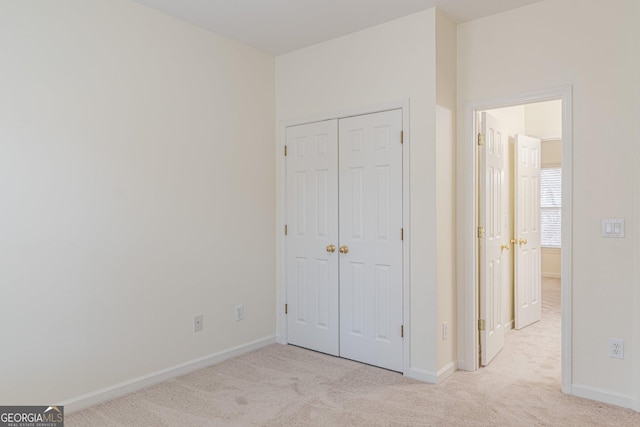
613,227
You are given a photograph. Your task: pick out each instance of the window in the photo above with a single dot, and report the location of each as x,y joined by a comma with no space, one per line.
550,206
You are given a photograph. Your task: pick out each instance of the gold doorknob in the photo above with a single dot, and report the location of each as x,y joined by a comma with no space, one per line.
344,249
503,247
513,241
331,248
522,242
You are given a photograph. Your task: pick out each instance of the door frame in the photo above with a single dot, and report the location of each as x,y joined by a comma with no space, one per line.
281,206
467,251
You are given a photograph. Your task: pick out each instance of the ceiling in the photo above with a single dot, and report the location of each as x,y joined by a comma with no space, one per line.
280,26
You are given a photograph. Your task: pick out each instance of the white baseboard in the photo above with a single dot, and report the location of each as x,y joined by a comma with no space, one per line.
422,375
552,275
108,393
430,376
605,396
446,371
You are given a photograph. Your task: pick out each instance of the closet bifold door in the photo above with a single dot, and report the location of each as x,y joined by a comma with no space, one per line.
370,221
312,236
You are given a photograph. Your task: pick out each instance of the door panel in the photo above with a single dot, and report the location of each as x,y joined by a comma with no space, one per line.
312,271
493,198
370,207
528,268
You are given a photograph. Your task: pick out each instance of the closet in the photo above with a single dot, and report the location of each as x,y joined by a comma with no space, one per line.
344,236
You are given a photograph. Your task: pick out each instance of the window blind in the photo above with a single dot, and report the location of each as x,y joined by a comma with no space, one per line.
550,206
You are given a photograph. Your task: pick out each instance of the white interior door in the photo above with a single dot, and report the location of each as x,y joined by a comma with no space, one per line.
528,269
312,227
370,152
494,240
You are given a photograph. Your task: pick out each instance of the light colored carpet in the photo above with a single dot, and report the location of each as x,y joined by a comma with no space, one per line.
289,386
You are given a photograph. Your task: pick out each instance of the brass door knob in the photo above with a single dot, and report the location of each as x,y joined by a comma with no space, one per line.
522,242
503,247
513,241
344,249
331,248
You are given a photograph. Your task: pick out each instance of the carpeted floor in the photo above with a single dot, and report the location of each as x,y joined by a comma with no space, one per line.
289,386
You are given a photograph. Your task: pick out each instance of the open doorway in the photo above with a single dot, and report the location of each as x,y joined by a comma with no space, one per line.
470,227
520,211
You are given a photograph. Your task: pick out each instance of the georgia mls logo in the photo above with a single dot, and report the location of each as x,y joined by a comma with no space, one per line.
31,416
54,408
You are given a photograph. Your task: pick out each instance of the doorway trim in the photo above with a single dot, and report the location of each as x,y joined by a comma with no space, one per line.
281,210
467,175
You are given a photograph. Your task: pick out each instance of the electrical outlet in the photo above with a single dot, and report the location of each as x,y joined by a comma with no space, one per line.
198,324
445,330
239,312
616,348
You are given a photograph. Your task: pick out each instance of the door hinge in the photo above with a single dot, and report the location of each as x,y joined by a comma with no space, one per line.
481,324
402,331
286,230
401,137
480,139
480,232
286,309
402,234
285,151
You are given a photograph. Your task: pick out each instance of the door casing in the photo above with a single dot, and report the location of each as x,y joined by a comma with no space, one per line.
281,321
467,219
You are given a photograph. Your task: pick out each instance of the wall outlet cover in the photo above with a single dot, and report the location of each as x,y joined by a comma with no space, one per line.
616,348
198,323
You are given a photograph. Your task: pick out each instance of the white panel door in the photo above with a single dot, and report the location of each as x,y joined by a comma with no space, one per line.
312,223
493,244
370,153
528,268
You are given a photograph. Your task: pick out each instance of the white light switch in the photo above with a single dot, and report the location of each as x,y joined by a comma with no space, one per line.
613,227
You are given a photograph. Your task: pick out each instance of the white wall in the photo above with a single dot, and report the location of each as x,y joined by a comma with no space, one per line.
136,184
446,190
512,117
387,63
543,120
551,153
592,47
